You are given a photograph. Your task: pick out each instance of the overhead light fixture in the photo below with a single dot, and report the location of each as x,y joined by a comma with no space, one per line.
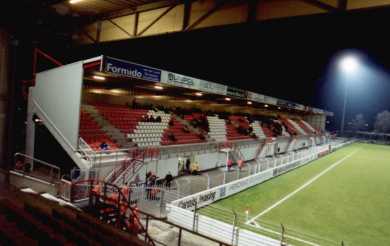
249,103
118,91
97,77
199,94
228,99
75,1
266,105
157,87
279,108
97,91
188,101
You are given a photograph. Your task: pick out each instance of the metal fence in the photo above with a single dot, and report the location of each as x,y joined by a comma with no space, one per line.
39,169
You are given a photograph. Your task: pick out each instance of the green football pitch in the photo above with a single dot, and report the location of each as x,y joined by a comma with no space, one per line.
342,197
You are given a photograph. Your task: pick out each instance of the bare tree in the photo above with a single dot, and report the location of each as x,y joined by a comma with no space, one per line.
382,122
358,123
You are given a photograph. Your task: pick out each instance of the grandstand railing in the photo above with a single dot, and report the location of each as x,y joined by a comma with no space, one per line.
36,168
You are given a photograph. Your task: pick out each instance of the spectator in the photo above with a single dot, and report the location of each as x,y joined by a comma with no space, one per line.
171,136
168,180
19,165
195,168
104,146
151,119
188,164
229,164
158,119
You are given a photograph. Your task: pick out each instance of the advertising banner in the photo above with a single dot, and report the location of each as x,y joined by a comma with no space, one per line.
270,100
179,80
132,70
255,97
212,87
235,92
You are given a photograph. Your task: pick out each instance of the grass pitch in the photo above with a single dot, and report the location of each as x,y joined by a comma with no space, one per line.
350,202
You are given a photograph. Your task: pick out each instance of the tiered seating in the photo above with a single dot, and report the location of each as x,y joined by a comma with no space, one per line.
290,128
217,128
297,127
122,117
177,129
150,133
267,131
92,134
284,130
236,123
307,127
258,130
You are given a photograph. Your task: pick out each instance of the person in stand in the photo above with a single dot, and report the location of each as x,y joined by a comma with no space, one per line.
229,164
158,119
195,168
151,119
240,164
168,180
104,146
171,136
188,164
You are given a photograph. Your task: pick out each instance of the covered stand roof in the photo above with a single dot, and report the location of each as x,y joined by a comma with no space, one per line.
118,69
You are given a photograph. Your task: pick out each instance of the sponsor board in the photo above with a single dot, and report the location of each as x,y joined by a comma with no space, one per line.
235,92
204,198
132,70
179,80
270,100
212,87
200,200
255,97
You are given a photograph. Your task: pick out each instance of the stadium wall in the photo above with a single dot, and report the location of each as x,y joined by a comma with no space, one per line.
55,98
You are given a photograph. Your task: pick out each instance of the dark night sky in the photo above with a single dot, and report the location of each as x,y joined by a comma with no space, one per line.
288,58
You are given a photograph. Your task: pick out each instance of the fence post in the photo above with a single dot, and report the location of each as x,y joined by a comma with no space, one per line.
235,229
161,201
282,240
195,224
146,228
179,239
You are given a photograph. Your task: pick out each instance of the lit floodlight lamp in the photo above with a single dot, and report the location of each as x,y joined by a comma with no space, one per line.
349,63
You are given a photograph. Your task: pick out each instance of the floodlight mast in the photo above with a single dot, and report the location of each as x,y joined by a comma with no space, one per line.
348,65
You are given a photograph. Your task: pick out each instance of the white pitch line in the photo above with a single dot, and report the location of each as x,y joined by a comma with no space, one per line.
278,233
300,188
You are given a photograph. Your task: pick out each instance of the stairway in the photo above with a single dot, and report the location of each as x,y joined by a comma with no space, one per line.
258,130
106,126
190,127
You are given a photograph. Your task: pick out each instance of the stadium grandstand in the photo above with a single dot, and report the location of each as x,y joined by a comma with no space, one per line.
132,146
194,123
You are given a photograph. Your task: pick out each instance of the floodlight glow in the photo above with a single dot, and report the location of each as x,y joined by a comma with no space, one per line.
75,1
228,99
349,63
249,103
266,105
96,77
157,87
199,94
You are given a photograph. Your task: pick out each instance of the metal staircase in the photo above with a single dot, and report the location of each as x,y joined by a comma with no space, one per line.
112,205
